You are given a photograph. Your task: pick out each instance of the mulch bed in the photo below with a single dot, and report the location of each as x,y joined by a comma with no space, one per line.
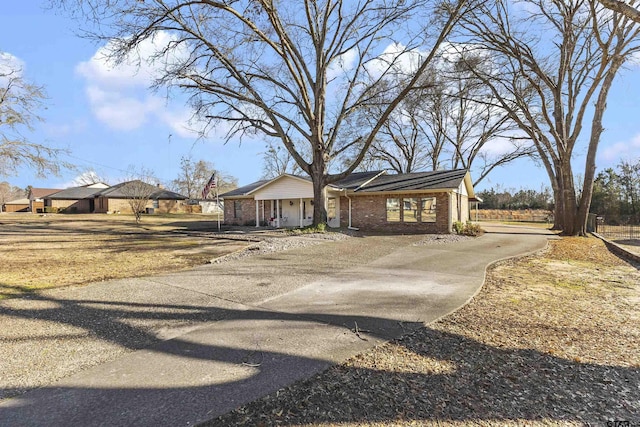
552,339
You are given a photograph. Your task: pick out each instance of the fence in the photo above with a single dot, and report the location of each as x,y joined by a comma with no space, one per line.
617,232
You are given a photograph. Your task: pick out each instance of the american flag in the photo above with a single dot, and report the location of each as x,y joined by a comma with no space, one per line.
210,184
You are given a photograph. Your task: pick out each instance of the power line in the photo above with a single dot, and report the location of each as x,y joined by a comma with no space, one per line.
96,163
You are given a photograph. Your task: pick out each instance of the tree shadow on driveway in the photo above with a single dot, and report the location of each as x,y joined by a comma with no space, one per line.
217,372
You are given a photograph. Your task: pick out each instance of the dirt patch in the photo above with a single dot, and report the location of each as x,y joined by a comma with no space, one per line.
39,252
550,340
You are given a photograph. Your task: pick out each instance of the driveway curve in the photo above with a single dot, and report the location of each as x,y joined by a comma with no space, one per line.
197,344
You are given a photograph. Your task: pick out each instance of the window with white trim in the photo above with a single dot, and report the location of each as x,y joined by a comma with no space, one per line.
393,210
428,210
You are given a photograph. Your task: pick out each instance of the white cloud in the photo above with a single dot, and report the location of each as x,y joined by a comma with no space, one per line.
10,65
343,64
630,149
119,94
87,177
395,58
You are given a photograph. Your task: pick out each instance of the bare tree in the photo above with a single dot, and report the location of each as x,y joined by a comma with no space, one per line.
403,144
554,64
138,190
627,9
451,121
19,101
293,71
194,176
277,160
10,192
89,177
473,124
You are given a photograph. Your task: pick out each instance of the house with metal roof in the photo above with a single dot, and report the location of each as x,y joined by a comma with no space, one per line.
423,202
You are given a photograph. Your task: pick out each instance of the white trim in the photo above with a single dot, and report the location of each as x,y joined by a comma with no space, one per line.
300,212
266,184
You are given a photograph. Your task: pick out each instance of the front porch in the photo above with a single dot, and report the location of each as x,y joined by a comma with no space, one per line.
291,213
286,201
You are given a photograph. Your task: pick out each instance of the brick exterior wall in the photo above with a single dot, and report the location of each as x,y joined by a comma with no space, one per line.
78,206
247,213
369,212
171,206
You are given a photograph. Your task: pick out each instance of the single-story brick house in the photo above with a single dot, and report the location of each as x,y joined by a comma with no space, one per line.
115,199
76,199
423,202
101,198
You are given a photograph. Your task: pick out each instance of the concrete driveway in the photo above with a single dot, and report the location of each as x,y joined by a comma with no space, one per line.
262,323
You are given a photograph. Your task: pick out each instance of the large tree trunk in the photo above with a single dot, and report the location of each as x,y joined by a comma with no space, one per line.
319,179
558,205
580,221
319,210
568,199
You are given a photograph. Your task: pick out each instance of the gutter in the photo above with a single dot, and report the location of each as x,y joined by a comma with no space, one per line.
349,198
450,193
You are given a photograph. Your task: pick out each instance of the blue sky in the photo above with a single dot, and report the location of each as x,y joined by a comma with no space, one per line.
110,121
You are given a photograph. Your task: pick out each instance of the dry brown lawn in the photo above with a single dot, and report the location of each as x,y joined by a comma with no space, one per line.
551,339
38,252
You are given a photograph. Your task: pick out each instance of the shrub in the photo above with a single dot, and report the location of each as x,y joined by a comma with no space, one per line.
50,209
320,228
468,229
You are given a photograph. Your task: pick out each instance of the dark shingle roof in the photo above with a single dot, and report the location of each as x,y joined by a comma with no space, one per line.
356,179
378,181
416,181
75,193
118,191
242,191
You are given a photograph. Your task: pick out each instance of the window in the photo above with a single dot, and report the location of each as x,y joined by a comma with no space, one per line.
237,209
331,208
428,212
393,210
410,210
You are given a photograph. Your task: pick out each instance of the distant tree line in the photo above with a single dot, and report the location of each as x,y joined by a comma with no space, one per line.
616,193
10,192
502,198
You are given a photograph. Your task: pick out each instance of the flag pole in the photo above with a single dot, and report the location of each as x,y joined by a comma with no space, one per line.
217,202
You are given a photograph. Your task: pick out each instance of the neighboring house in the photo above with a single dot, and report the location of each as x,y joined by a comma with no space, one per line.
424,202
116,198
36,198
100,198
20,205
76,199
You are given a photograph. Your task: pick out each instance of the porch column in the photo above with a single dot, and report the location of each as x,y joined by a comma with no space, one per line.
301,219
278,212
273,213
257,214
263,218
